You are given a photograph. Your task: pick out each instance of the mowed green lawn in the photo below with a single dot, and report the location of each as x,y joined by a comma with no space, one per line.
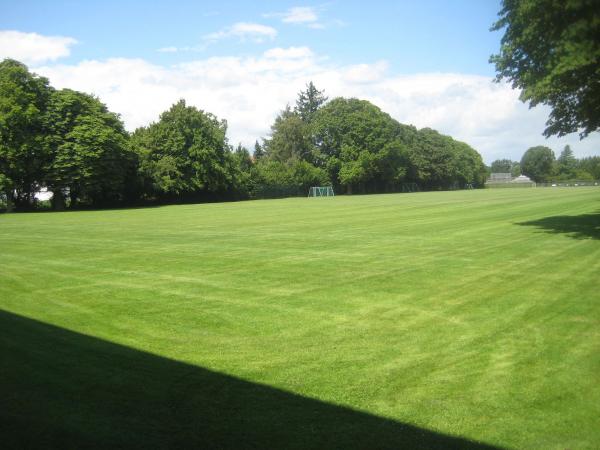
442,319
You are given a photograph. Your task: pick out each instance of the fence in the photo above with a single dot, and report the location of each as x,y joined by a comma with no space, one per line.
570,183
509,185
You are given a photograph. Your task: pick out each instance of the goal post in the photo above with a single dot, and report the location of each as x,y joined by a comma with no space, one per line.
321,191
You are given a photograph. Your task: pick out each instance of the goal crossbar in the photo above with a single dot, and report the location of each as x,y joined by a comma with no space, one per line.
321,191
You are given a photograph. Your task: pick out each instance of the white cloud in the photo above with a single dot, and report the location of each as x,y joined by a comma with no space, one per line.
170,49
244,31
289,53
250,91
365,73
300,14
33,48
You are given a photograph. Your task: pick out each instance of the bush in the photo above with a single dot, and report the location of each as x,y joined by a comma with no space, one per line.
277,179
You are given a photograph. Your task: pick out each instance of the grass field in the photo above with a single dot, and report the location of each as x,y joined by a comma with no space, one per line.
460,319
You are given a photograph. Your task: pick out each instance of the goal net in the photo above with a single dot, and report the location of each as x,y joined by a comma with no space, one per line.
321,191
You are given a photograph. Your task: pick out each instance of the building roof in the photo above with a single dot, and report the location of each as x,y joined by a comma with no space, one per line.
522,179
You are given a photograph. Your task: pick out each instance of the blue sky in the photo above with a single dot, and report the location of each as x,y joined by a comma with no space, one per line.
415,36
425,62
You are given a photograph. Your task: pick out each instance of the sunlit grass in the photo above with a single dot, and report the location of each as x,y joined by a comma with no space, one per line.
470,313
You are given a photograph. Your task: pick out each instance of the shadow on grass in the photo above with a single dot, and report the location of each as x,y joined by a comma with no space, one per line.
82,208
585,226
60,389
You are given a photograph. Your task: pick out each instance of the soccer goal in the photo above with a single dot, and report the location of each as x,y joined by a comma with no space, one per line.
321,191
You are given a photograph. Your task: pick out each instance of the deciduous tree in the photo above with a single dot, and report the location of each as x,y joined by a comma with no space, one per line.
184,153
538,163
23,151
359,145
501,166
290,138
506,166
551,51
590,165
88,147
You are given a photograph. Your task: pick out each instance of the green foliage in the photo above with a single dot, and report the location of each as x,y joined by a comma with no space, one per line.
184,153
359,145
468,166
23,152
70,143
240,168
309,102
65,140
551,50
93,161
5,188
89,156
242,158
306,175
566,164
290,138
258,151
506,166
538,163
515,169
356,123
583,175
431,159
591,165
278,179
501,166
364,149
438,161
372,171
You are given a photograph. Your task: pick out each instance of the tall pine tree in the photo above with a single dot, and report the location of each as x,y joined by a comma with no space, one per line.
309,101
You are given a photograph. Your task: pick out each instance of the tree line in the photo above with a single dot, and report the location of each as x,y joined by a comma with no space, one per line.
70,143
540,164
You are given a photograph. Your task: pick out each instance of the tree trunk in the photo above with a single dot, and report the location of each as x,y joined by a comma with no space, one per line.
58,200
73,198
27,198
10,206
